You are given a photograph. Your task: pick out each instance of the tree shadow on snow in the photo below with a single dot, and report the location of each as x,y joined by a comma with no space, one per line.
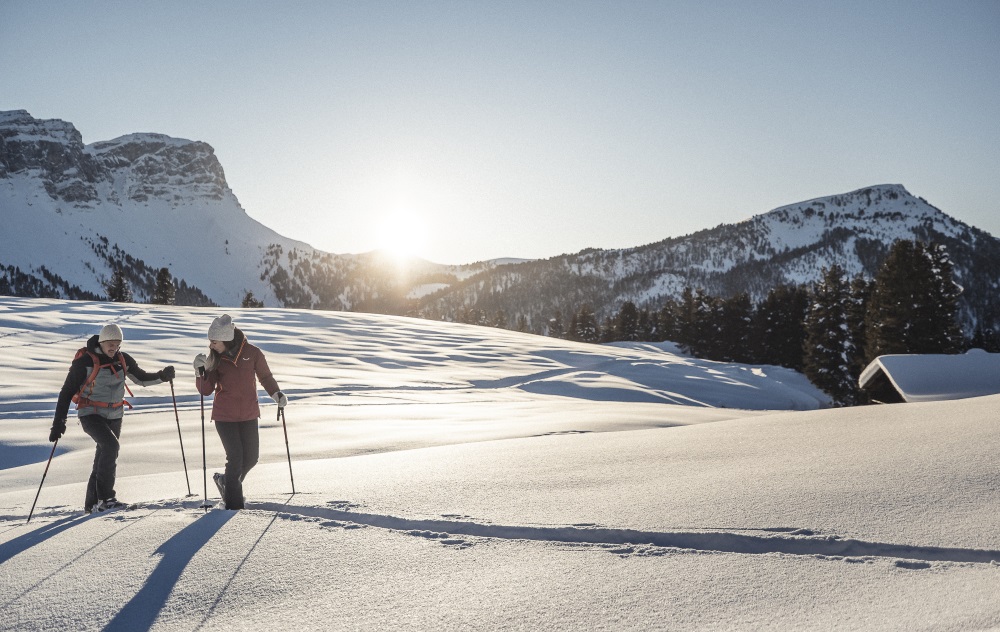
141,611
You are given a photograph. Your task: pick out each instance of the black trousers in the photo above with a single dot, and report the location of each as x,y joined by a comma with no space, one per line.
242,444
105,432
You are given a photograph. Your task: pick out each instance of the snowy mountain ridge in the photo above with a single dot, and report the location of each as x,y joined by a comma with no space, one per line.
145,201
788,245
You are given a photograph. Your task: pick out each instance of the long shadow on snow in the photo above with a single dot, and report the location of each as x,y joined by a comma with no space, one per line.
141,611
22,543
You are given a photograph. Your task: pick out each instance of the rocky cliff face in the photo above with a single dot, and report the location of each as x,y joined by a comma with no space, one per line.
153,165
140,202
133,168
53,151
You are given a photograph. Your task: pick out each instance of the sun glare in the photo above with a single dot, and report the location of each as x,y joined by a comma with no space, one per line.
402,234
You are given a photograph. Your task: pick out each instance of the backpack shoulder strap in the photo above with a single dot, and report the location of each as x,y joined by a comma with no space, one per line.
93,372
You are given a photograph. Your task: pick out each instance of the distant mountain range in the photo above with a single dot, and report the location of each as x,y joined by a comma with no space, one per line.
141,202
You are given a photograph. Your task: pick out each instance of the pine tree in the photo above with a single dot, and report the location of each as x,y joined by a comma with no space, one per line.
250,301
666,321
626,324
687,321
705,326
779,328
573,333
587,329
522,323
859,296
914,303
944,330
733,341
165,292
118,289
828,344
647,326
556,327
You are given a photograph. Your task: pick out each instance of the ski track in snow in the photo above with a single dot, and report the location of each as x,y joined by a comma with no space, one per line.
792,541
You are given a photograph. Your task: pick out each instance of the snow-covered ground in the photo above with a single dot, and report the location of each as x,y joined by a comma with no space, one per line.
451,477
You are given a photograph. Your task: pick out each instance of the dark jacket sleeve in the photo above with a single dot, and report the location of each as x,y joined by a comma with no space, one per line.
75,378
137,375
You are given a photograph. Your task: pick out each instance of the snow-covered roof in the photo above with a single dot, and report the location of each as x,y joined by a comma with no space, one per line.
934,377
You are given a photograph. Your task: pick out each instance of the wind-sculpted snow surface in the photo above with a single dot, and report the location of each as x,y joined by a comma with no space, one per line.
459,478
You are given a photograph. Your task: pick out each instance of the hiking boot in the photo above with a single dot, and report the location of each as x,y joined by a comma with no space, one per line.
220,483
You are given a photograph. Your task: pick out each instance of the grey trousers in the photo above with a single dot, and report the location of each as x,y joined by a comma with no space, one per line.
242,444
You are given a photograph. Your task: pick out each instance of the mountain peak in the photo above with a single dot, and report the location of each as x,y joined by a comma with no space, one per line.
144,138
18,126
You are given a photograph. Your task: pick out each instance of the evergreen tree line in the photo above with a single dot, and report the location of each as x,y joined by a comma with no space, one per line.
44,284
166,290
829,330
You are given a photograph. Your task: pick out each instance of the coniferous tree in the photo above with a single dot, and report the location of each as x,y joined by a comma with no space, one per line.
914,303
522,323
499,320
587,329
666,321
828,345
686,320
118,288
707,319
573,332
733,340
608,331
165,292
626,325
249,300
944,330
647,326
556,327
983,338
779,331
859,296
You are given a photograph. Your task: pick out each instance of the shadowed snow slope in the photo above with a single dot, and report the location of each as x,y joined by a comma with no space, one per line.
455,477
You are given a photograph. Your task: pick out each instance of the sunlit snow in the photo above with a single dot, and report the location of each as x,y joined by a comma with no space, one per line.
452,477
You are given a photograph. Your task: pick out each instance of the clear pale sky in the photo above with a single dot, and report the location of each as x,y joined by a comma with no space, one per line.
475,130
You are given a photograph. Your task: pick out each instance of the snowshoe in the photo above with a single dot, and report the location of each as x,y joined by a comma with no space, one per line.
111,504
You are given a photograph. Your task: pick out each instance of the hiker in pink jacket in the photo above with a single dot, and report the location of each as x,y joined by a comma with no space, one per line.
231,370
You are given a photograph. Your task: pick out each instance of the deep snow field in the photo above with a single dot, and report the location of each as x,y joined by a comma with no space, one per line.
451,477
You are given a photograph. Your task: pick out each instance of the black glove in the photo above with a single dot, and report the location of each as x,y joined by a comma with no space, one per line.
58,428
167,374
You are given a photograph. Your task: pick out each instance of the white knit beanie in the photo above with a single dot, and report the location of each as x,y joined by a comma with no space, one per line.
110,332
222,329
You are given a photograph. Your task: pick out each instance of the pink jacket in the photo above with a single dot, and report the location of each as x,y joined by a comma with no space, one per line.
234,382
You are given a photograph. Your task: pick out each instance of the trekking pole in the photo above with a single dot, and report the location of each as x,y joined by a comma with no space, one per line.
204,458
281,415
46,473
179,437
